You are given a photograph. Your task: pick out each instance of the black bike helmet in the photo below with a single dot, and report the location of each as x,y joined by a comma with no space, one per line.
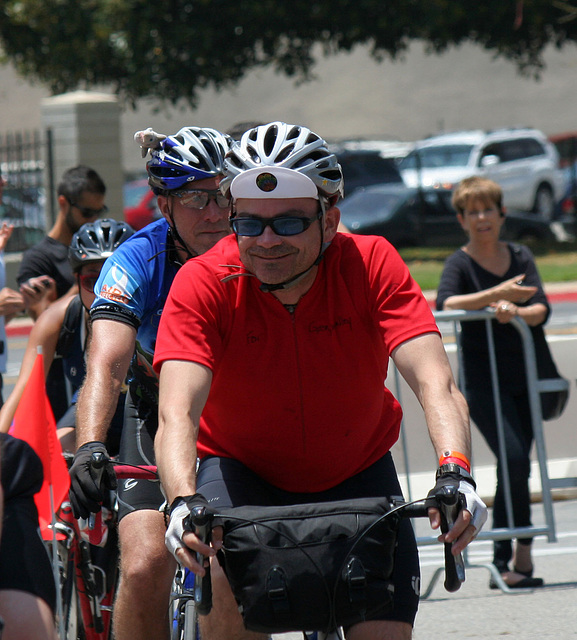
96,241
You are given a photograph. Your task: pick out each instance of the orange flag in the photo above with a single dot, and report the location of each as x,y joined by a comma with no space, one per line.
34,422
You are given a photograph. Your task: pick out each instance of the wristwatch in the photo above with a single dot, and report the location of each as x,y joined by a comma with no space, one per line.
451,469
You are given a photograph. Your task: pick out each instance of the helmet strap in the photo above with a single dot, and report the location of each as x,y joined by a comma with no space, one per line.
179,243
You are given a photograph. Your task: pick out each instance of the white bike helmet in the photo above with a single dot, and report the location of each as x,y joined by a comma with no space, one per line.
278,144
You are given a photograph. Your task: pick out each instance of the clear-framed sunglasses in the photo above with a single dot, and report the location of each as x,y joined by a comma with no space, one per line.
199,198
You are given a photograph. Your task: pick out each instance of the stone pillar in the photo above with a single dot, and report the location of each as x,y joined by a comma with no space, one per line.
85,129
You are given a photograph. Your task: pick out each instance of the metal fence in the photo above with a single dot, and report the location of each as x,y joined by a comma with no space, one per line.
26,166
535,388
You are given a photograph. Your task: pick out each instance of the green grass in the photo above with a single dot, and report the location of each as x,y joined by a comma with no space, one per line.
555,264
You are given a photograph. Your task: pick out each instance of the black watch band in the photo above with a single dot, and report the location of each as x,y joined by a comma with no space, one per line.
177,501
452,468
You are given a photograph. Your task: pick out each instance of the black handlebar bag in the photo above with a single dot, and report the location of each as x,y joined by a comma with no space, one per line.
310,566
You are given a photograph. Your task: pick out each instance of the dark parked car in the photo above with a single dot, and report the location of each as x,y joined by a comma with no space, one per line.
364,168
409,216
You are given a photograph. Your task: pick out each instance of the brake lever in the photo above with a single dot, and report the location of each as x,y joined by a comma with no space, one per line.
449,508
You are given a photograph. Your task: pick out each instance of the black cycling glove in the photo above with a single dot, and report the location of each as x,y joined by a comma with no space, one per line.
451,479
88,484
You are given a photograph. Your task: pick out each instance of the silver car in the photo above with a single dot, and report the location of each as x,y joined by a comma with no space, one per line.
522,161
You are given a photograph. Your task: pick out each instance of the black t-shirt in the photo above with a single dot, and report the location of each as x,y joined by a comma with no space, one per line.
462,275
22,473
48,257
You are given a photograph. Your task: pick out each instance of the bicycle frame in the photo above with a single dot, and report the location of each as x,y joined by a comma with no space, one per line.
86,585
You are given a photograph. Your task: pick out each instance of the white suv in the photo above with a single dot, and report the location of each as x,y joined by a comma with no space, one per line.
522,161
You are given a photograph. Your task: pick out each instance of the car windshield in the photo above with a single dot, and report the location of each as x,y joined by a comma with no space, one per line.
134,192
449,155
372,204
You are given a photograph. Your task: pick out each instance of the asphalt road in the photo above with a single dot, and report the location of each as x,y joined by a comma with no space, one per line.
477,613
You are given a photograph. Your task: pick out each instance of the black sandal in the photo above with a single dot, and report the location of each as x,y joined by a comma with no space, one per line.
528,582
536,582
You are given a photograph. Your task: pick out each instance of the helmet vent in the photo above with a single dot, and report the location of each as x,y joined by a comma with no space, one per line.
312,137
294,133
270,139
285,153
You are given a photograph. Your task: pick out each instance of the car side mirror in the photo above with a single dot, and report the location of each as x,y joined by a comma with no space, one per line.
488,161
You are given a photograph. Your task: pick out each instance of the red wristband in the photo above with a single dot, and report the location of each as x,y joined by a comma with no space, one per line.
456,458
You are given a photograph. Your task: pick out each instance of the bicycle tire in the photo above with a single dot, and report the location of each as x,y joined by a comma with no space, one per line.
190,630
71,614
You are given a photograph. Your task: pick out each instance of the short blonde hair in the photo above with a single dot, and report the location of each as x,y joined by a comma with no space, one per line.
477,187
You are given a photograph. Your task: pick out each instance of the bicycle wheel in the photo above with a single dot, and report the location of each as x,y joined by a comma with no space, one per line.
184,616
71,614
190,630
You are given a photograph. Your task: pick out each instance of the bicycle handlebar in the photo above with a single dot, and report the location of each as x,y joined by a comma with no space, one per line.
449,506
200,521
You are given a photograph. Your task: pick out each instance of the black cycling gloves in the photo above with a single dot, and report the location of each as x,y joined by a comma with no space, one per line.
453,479
90,478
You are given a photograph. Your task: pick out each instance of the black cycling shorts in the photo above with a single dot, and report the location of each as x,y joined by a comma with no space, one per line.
137,447
228,483
68,421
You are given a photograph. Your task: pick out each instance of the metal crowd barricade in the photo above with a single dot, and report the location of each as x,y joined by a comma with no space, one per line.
535,388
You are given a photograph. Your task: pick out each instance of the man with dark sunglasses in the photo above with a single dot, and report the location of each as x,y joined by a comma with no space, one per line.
45,275
272,353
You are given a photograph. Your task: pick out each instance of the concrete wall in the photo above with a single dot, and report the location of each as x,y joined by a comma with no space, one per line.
86,130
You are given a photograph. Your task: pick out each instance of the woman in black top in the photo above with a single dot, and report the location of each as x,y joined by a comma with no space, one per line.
488,272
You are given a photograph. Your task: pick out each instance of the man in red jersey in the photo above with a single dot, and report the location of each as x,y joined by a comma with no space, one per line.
272,351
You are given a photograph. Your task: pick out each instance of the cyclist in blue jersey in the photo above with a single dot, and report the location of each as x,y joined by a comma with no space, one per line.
184,171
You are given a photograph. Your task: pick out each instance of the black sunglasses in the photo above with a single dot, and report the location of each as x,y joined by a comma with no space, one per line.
87,212
198,199
282,225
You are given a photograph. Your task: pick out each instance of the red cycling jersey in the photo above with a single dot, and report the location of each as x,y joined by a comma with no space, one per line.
297,396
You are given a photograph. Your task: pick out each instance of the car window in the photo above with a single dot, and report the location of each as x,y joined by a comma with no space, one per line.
447,155
532,147
134,192
520,149
439,203
366,205
367,168
493,149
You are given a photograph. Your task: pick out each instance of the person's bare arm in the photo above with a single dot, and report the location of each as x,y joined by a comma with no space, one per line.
39,293
512,290
184,388
44,334
423,363
111,349
11,303
533,315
